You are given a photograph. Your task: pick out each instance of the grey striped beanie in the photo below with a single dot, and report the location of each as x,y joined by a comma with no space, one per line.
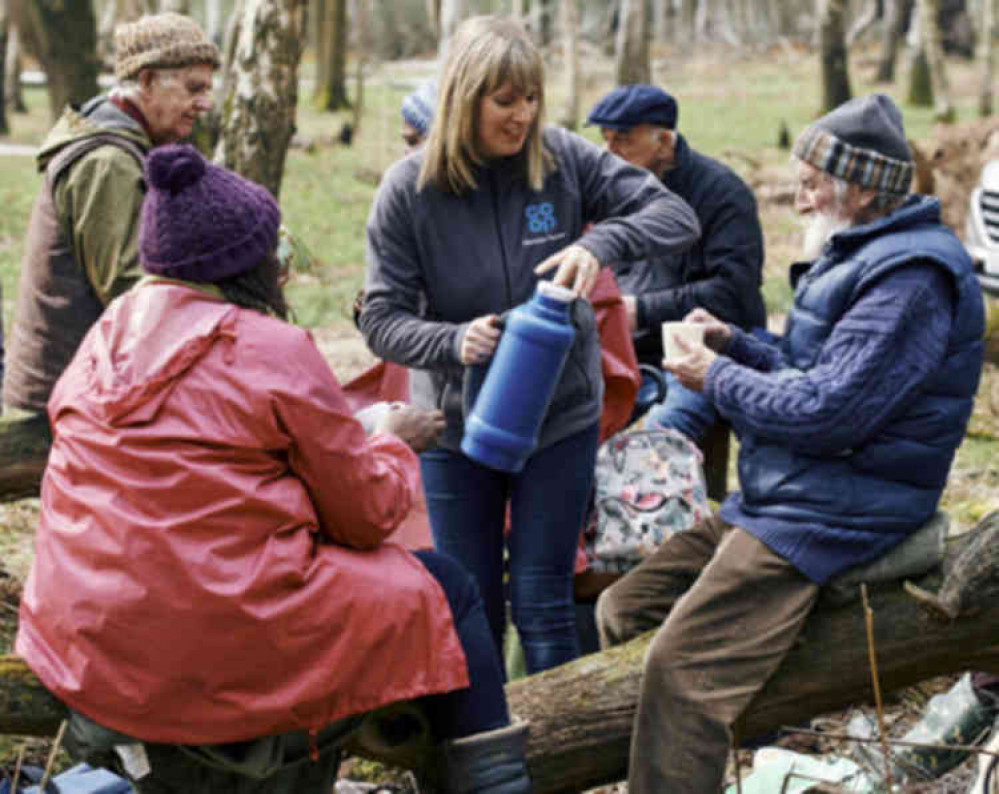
862,141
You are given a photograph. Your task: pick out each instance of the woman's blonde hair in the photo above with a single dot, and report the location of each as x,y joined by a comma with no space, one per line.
484,53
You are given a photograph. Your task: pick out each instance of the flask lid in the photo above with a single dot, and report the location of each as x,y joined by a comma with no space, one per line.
555,292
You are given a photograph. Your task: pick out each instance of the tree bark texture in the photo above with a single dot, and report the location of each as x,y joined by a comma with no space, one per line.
920,86
452,13
833,52
632,62
13,96
4,30
891,34
258,109
63,37
581,713
986,58
873,11
331,52
570,34
929,19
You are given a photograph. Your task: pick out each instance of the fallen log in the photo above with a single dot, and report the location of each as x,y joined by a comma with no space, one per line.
581,713
24,451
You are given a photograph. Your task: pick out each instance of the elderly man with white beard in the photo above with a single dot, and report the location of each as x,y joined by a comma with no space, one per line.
847,428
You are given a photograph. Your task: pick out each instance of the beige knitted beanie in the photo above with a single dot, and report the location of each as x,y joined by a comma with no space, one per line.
161,41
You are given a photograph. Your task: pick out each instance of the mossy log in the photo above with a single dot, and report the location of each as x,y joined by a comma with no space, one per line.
581,713
24,451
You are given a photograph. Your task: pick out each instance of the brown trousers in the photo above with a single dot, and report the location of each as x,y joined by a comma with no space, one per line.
728,611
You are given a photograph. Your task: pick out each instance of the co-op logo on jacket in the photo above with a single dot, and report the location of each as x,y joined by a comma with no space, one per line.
542,225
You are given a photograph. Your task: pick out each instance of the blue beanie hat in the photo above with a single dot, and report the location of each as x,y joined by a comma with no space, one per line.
418,107
630,105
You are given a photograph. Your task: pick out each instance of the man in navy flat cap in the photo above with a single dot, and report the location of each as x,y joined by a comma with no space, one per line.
720,273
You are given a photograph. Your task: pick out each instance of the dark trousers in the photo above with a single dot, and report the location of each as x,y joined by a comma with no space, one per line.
482,706
727,611
467,504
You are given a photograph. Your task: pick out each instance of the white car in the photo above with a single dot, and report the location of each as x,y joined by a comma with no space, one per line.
982,231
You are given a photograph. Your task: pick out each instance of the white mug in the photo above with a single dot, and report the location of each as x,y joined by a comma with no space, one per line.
688,332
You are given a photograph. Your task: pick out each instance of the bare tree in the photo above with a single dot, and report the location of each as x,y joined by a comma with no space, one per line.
986,59
920,90
929,31
452,12
569,10
872,12
213,19
331,55
833,53
434,15
4,28
63,38
363,45
632,62
261,93
13,96
891,33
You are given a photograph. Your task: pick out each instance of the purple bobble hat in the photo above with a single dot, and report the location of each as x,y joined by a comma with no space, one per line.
201,222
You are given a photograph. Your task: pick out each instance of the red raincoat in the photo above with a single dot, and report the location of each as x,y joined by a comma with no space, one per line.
210,563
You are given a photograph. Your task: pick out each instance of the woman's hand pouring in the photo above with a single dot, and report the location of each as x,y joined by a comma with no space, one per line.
577,269
480,340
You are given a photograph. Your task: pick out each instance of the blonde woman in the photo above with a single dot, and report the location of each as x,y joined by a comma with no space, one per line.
460,232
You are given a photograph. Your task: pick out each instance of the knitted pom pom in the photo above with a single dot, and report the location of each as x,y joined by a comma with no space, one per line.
172,168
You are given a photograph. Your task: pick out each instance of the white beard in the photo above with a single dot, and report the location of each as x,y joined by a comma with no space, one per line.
820,226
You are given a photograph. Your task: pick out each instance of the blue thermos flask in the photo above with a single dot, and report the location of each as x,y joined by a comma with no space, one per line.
501,430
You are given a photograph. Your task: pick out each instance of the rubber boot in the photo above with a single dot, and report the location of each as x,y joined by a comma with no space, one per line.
488,763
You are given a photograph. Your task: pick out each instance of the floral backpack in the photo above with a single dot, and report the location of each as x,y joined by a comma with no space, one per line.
648,485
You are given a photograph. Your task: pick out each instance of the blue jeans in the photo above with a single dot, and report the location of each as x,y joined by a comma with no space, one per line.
482,706
688,411
467,505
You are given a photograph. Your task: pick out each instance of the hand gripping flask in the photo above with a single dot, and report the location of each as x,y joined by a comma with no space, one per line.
501,431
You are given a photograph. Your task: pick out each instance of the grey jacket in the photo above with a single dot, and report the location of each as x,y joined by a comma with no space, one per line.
436,261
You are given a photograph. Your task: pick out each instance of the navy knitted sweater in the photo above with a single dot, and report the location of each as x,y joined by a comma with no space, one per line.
879,354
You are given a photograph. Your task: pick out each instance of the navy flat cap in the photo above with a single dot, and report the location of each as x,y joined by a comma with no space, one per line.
629,105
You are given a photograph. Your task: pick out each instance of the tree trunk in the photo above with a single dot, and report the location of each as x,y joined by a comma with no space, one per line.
873,11
569,10
13,96
581,713
434,15
929,17
177,6
331,55
920,83
258,117
4,32
632,58
891,34
63,37
213,20
832,43
986,58
453,12
363,45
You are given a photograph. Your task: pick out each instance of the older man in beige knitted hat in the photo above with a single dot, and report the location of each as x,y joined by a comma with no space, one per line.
81,248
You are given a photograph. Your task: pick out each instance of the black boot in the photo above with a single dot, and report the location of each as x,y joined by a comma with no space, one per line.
488,763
